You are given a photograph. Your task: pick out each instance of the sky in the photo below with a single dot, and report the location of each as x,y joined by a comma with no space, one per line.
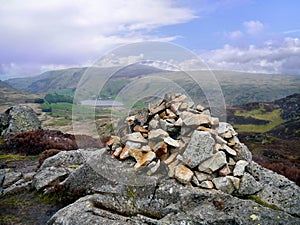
242,35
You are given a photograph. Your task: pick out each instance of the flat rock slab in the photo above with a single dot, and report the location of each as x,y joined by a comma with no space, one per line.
200,148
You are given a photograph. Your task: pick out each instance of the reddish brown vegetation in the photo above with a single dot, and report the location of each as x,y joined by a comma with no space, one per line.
281,156
35,142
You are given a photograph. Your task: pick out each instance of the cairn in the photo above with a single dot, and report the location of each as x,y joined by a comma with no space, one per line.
192,145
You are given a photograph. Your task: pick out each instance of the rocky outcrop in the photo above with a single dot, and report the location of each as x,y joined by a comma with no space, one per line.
195,174
17,119
117,200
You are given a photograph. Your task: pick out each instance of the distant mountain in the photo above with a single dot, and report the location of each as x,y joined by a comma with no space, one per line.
237,87
69,78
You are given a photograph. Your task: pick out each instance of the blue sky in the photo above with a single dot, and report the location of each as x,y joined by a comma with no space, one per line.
245,35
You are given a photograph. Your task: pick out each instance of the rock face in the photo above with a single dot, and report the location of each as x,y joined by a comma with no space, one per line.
197,174
17,119
159,201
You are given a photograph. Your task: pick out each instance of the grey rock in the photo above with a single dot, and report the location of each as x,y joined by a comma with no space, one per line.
277,190
192,119
11,178
44,177
136,137
17,119
200,148
18,186
249,185
226,184
239,168
212,164
229,150
167,203
203,176
207,184
183,174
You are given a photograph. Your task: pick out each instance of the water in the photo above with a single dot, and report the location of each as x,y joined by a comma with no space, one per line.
101,103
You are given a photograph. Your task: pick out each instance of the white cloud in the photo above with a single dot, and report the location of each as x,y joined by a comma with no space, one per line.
235,35
75,31
253,27
273,57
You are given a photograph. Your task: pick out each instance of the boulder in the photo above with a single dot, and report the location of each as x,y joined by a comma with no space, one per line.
17,119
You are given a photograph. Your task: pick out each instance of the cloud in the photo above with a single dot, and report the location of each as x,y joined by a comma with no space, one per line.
235,35
253,27
281,57
75,31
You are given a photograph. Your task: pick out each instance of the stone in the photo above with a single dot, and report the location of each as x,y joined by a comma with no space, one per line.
160,147
227,134
142,158
224,171
133,145
225,184
183,106
200,108
239,168
136,137
156,109
170,114
146,148
248,185
112,140
191,119
11,178
175,107
154,168
179,98
117,151
170,141
183,174
125,153
220,140
178,122
212,164
171,158
138,128
154,124
157,134
20,185
207,184
242,153
223,128
172,167
203,128
199,148
195,181
18,119
46,176
203,176
229,150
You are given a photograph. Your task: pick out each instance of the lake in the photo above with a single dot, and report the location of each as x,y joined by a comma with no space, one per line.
101,103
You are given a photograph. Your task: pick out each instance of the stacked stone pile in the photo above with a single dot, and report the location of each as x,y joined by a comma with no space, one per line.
188,144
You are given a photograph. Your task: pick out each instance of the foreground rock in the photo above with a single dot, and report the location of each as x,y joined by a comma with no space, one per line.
122,199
